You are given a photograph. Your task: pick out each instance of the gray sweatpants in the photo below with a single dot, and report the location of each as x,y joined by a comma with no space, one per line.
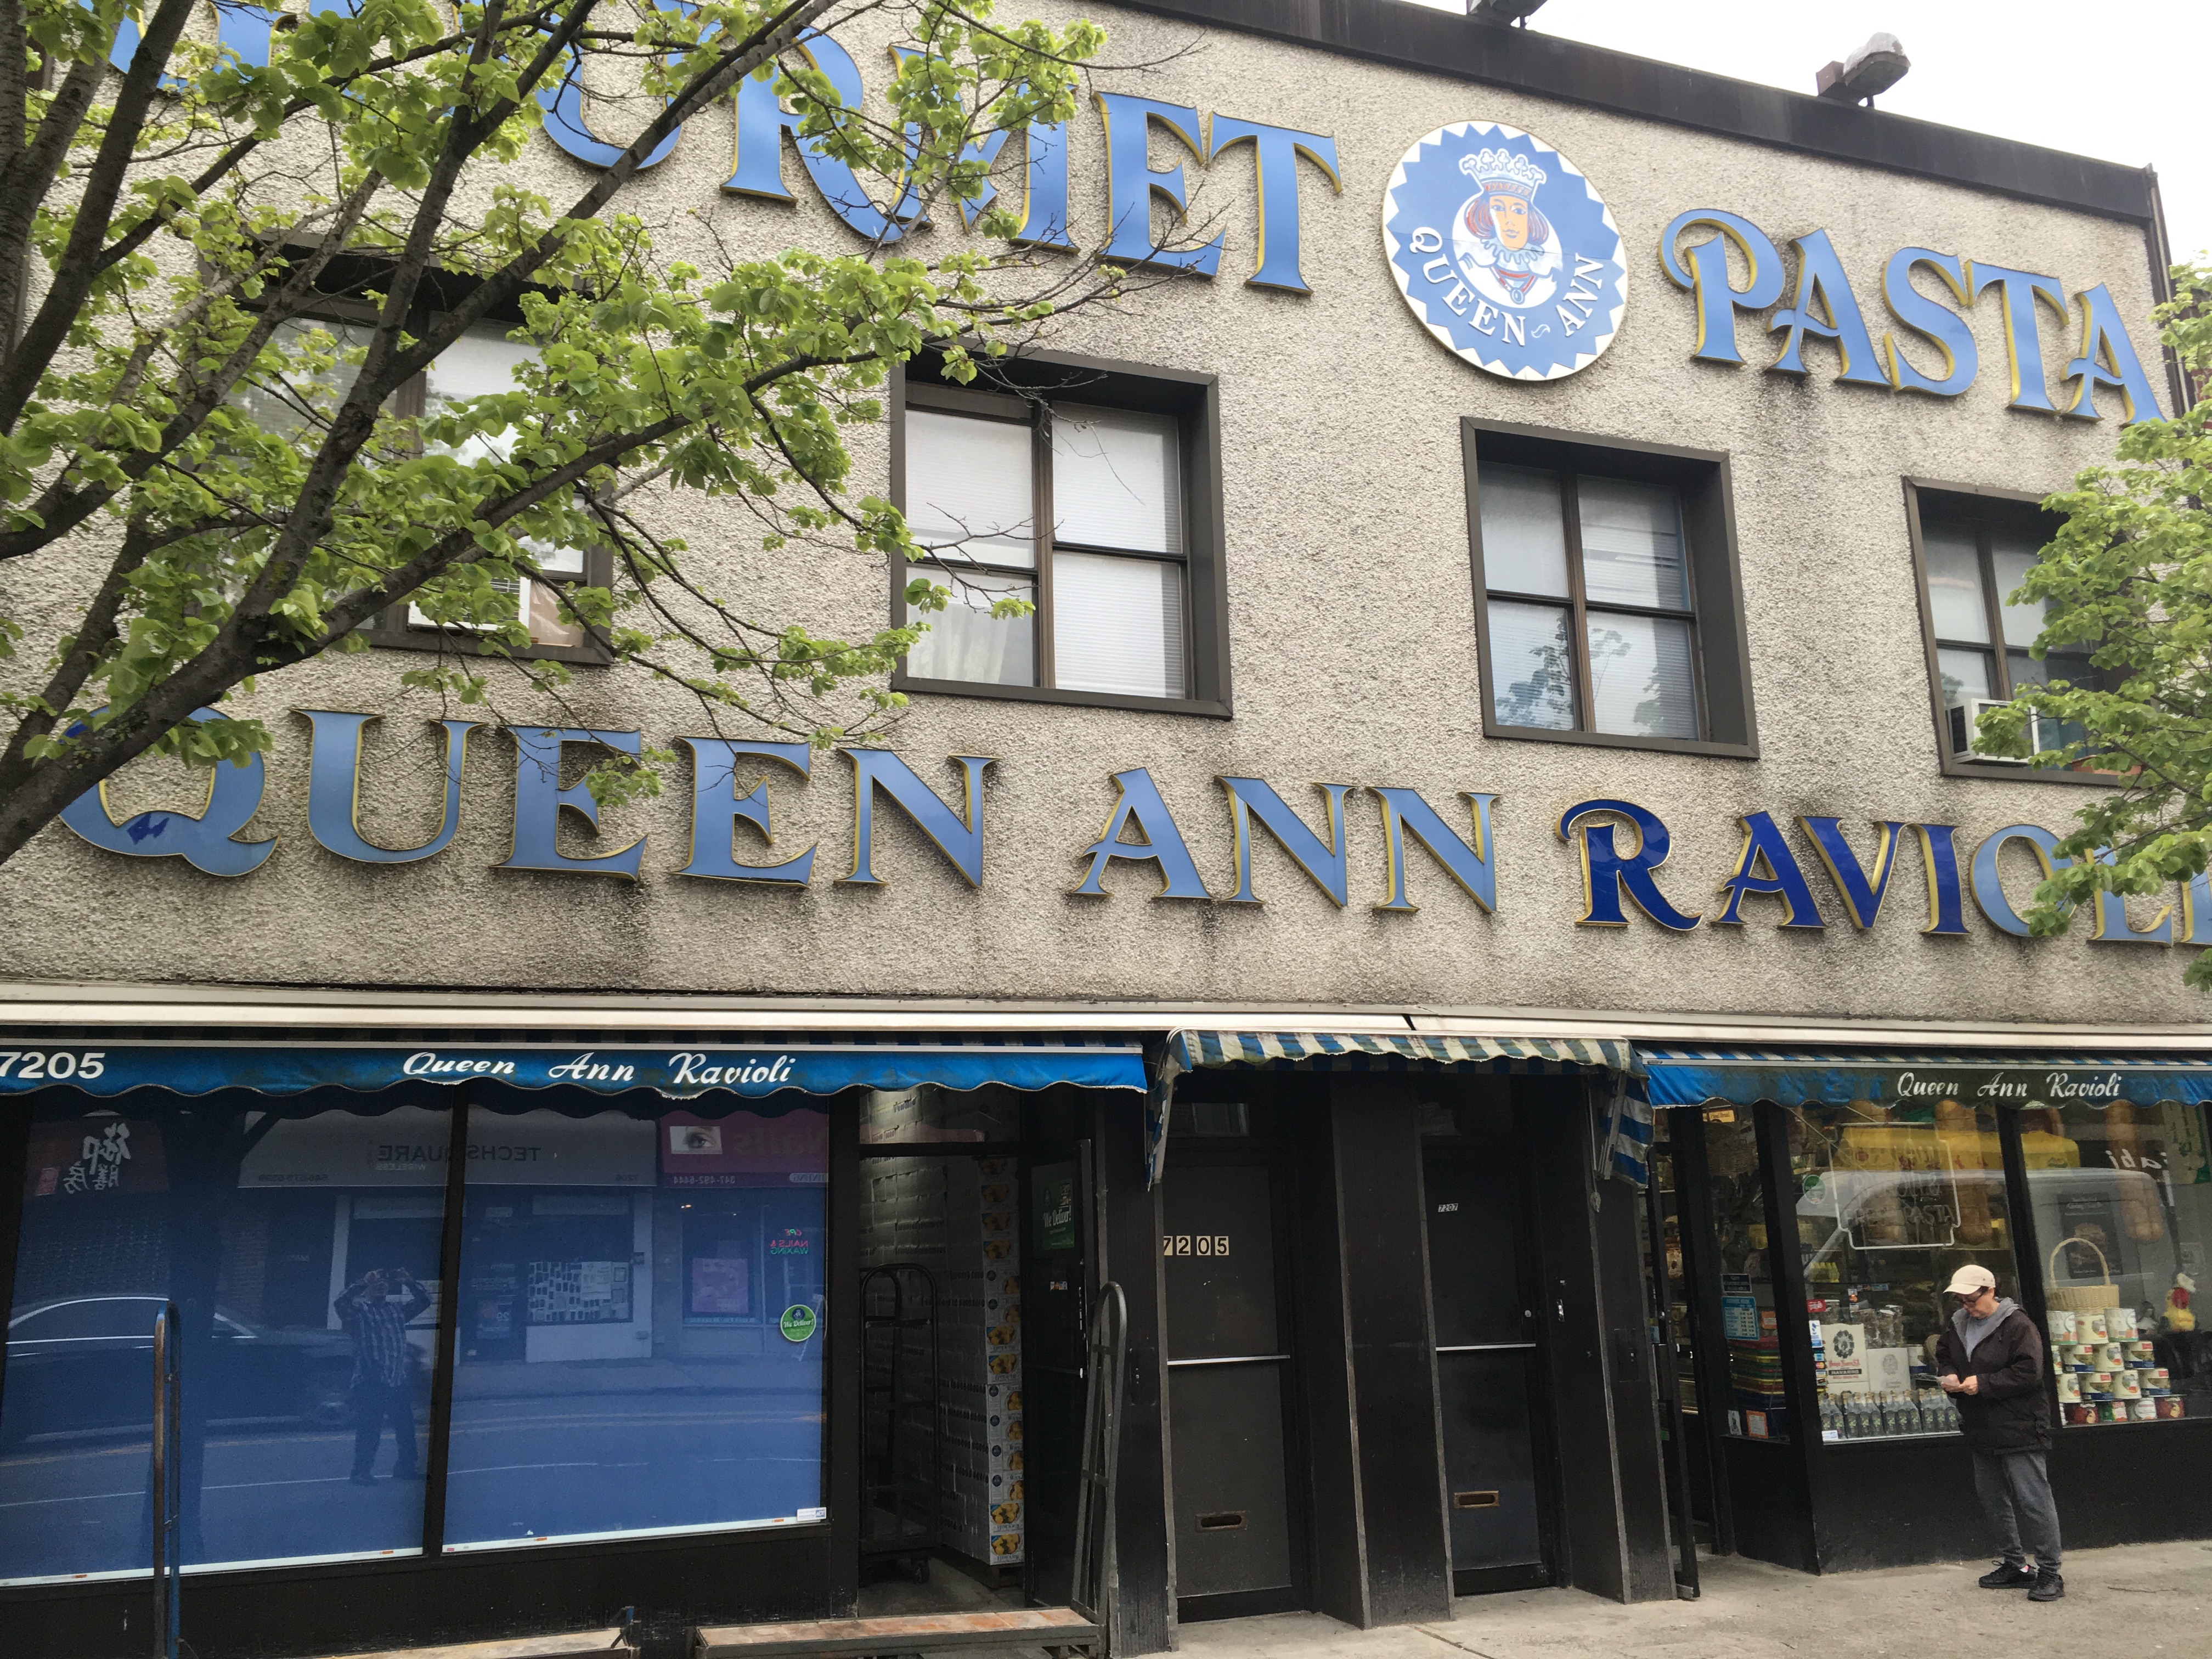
2015,1492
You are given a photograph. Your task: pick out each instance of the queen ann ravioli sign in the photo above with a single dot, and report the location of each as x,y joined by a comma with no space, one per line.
1504,251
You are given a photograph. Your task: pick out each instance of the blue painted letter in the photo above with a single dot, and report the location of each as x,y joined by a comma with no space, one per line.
1708,274
539,799
1251,798
334,788
1765,845
1608,875
1404,813
716,808
1140,805
1275,152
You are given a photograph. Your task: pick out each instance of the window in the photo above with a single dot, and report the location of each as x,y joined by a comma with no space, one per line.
2121,1196
1757,1402
637,1303
1605,595
1086,495
265,1234
481,361
646,1293
1975,550
1891,1200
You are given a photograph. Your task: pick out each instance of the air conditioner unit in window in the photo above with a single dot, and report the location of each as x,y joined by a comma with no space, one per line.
2042,733
518,585
1965,716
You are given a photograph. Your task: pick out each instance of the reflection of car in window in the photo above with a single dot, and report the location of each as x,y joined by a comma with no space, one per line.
2083,1226
85,1363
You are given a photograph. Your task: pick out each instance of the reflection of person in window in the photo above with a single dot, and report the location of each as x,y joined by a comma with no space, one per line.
376,1311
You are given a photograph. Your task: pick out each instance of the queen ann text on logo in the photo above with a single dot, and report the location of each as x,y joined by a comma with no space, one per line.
1505,252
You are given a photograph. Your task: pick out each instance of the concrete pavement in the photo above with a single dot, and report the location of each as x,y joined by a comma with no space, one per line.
2147,1599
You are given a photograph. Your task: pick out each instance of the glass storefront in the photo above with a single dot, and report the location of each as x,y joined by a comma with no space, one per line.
2121,1196
637,1329
1751,1325
1896,1176
1891,1202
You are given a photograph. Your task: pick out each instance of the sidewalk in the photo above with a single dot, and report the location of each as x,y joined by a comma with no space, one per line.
2147,1599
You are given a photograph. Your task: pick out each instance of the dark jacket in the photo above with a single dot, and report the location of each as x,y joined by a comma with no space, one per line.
2008,1411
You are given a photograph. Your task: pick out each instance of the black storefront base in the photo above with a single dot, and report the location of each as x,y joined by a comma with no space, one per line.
1907,1502
416,1601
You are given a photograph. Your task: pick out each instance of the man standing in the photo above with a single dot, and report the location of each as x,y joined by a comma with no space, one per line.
1991,1361
383,1368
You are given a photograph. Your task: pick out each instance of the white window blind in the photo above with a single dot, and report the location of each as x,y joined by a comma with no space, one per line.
968,488
1118,625
1116,479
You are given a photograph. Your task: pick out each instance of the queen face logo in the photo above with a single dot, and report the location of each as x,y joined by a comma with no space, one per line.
1505,252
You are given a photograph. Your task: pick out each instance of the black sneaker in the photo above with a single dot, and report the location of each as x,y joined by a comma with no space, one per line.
2049,1587
2005,1575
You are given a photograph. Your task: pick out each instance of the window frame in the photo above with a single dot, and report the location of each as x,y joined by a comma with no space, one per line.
1031,384
390,628
2027,506
1720,649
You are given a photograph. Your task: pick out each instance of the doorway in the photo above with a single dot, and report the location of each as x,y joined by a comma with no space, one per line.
1238,1529
1490,1366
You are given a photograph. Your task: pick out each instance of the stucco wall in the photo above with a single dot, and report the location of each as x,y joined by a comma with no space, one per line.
1354,650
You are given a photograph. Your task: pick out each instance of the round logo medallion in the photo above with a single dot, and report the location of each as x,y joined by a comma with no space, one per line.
798,1323
1504,251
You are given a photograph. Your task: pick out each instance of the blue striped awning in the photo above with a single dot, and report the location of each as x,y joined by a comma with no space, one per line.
1739,1076
1629,1135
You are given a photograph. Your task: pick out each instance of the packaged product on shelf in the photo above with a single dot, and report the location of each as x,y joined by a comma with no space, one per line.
2157,1382
2120,1324
2127,1385
2062,1325
2144,1411
2169,1406
2070,1388
2092,1326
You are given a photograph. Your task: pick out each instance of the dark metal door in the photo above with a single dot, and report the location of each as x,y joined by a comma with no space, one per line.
1486,1360
1228,1370
1058,1249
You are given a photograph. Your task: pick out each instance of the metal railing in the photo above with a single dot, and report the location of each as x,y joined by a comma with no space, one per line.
167,1480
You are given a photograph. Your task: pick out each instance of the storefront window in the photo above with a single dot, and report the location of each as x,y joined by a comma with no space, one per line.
1750,1323
2121,1196
1891,1202
303,1253
640,1336
927,1114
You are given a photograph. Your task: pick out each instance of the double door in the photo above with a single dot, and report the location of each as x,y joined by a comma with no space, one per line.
1489,1369
1229,1380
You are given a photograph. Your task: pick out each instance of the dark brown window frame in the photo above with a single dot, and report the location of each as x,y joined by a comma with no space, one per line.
1020,390
389,629
2027,505
1721,650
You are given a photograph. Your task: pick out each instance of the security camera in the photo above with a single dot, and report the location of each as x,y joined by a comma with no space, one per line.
1874,68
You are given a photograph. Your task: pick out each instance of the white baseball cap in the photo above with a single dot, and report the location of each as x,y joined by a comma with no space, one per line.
1970,1280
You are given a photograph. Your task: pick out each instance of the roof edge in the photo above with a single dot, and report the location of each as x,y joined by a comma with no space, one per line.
1443,43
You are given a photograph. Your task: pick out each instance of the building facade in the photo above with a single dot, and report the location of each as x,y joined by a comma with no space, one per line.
1607,482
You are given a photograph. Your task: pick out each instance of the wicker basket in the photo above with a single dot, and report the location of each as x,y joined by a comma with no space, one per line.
2079,1298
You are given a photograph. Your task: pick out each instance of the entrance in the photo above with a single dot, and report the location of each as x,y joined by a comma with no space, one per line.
1482,1291
1229,1345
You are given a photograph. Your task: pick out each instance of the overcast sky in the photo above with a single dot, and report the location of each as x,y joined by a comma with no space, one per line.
2126,80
